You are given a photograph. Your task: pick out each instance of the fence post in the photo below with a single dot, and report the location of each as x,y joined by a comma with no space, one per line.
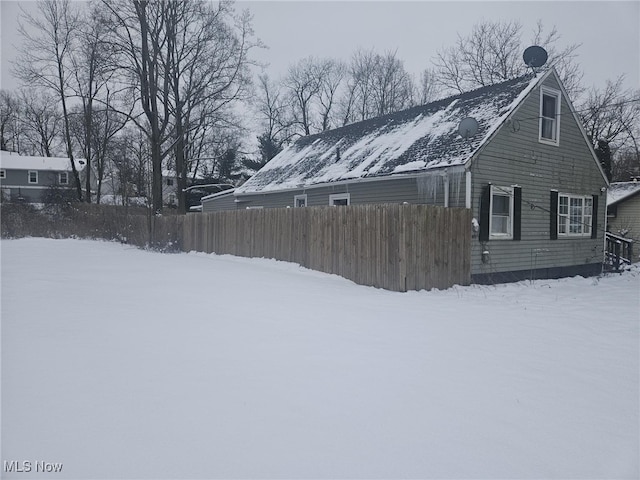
402,247
398,247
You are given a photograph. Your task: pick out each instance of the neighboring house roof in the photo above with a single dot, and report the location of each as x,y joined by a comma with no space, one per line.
219,194
620,191
410,141
9,160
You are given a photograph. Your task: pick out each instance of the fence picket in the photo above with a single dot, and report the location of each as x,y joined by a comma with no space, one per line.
397,247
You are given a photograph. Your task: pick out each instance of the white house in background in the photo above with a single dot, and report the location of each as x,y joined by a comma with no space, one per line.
29,178
169,188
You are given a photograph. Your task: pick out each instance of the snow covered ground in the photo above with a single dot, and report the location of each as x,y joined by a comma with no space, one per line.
122,363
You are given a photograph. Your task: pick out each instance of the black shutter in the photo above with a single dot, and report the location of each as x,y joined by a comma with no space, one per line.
553,216
517,212
594,218
485,202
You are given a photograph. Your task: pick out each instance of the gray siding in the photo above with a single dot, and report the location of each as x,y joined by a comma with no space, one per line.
628,219
16,184
424,189
516,157
219,203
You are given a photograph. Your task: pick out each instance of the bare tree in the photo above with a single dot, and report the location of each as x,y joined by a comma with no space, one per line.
274,114
612,115
357,103
492,53
308,104
273,109
139,39
92,73
9,113
393,87
325,93
303,84
626,165
376,84
563,59
128,170
208,57
41,122
44,61
331,74
429,90
186,63
105,124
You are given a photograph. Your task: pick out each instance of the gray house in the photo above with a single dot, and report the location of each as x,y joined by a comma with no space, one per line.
623,211
524,167
30,179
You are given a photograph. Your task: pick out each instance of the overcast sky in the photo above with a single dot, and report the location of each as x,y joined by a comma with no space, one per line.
608,31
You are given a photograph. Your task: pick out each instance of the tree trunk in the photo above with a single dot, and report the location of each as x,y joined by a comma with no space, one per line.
88,139
181,167
67,136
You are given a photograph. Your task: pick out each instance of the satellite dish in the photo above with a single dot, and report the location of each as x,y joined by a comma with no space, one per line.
535,56
468,127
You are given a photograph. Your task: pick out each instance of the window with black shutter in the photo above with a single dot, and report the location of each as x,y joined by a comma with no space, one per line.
500,213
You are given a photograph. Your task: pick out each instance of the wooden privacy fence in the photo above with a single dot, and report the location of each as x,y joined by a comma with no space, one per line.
396,247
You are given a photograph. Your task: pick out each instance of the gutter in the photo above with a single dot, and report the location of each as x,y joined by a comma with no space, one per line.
397,176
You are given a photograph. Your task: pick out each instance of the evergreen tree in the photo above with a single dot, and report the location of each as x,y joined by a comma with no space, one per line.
228,171
268,147
603,152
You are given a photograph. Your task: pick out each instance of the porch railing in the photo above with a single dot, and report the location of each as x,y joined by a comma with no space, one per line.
619,251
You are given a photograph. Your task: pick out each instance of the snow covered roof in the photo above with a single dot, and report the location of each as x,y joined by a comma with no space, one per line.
621,190
413,140
15,161
219,194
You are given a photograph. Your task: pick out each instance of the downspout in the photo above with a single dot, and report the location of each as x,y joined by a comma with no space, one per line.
605,193
446,190
467,193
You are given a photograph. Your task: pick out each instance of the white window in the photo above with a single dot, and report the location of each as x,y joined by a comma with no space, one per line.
501,217
300,200
340,199
575,215
33,176
549,116
63,178
3,174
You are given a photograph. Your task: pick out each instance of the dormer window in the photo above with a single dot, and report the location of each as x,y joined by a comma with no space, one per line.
549,116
